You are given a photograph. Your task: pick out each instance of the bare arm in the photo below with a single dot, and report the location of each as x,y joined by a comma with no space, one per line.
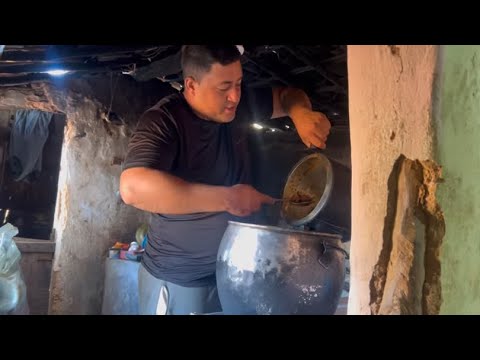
287,101
160,192
313,127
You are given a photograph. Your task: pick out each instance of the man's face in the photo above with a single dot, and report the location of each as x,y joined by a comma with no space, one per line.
218,92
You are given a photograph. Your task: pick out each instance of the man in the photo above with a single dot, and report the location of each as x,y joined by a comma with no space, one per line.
188,165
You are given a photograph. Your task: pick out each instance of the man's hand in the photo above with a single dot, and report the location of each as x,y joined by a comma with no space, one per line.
243,200
313,127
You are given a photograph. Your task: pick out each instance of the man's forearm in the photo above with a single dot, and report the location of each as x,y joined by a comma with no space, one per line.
294,100
163,193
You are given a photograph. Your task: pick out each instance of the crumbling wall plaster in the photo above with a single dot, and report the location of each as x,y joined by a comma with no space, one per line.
390,106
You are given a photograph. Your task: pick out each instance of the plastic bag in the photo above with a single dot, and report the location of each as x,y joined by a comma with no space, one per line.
13,292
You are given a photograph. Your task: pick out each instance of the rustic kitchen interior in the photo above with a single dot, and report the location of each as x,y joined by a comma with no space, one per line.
67,113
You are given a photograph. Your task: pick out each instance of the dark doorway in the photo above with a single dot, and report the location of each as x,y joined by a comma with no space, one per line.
30,152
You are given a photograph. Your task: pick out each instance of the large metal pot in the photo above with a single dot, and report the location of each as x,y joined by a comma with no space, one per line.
273,270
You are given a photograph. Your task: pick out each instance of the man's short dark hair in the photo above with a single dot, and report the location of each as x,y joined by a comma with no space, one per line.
198,59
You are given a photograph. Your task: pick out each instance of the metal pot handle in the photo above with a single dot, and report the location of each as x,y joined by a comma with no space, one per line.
327,247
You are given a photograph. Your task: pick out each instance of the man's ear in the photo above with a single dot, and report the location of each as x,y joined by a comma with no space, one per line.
190,85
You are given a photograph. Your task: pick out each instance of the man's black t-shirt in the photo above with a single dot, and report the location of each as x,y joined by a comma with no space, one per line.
169,137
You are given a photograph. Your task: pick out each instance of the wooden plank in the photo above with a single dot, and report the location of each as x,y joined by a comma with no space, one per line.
26,245
36,265
36,271
62,52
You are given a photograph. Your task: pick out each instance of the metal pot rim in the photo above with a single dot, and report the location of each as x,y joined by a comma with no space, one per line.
285,230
